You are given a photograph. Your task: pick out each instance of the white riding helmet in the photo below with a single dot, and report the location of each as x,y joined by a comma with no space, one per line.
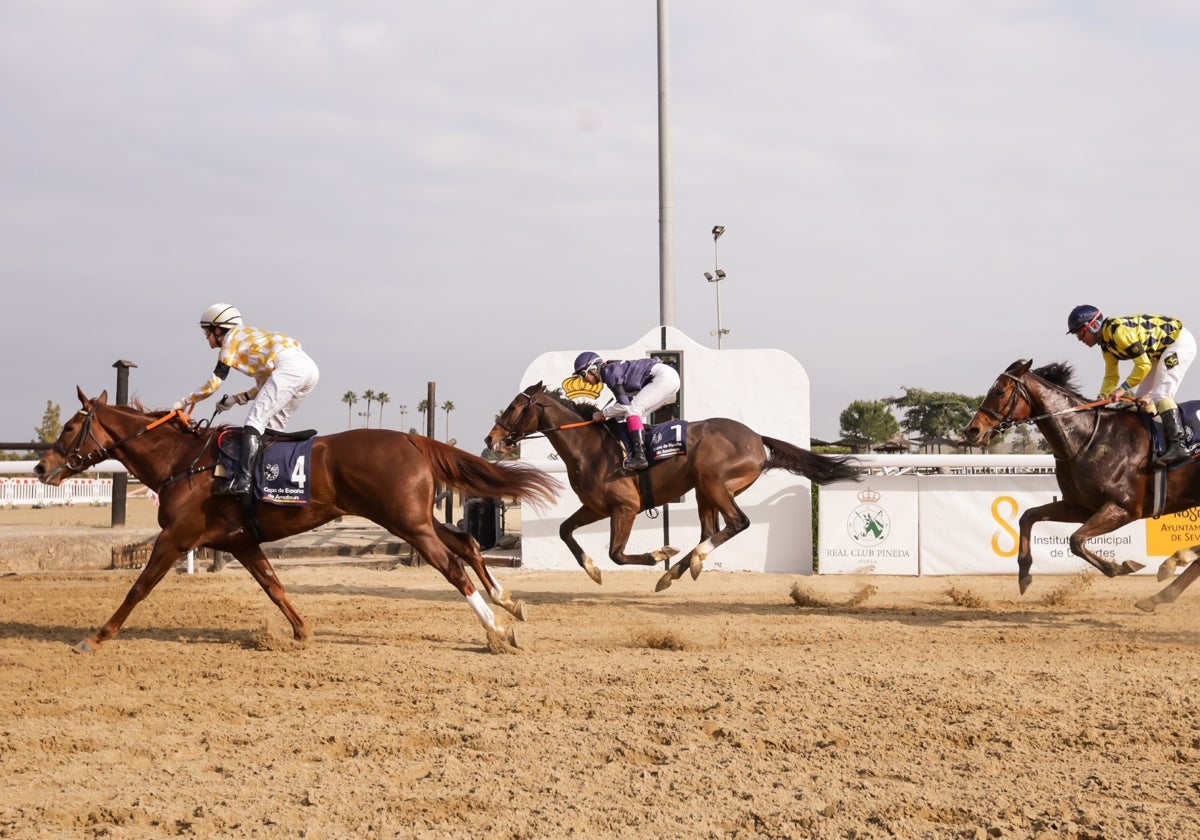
220,315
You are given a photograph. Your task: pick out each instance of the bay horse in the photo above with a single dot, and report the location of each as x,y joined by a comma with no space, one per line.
383,475
1101,461
723,457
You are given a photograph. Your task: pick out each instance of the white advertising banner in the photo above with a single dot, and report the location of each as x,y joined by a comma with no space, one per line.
948,524
869,527
969,525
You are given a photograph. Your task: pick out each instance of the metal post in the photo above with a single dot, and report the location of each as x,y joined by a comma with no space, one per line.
666,209
121,480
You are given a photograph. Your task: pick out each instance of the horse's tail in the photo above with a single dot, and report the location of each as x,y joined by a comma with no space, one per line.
476,476
821,469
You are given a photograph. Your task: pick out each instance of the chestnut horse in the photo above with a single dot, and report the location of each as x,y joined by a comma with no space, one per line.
722,459
1102,463
385,476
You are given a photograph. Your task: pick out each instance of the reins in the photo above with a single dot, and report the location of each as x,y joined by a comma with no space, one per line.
515,437
1021,389
77,462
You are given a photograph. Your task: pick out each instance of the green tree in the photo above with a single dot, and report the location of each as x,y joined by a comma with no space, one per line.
349,398
422,408
448,406
934,413
369,396
871,421
382,398
51,426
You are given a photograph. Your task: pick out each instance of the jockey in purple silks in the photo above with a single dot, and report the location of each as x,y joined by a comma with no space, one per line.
641,387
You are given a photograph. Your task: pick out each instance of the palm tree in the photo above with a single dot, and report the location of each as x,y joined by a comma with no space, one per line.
349,398
382,398
422,407
448,406
369,396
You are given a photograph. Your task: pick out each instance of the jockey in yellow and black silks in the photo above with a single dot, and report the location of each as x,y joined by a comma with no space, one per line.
1161,350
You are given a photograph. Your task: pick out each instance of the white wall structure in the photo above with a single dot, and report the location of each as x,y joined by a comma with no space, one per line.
768,390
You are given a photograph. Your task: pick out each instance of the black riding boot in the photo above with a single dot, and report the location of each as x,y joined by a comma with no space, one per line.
1175,436
637,451
251,446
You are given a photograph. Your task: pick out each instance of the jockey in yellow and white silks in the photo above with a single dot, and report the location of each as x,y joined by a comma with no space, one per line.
283,376
1161,350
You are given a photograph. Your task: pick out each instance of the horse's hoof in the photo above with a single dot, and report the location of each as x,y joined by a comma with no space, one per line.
85,646
1131,566
1023,582
1165,572
696,567
519,612
668,577
668,551
1146,605
592,571
511,638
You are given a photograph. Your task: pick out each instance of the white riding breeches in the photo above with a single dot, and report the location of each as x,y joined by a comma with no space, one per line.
657,392
294,377
1164,378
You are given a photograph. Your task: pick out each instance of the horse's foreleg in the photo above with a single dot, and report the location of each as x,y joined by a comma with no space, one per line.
260,568
162,559
1053,512
467,548
1107,519
620,527
1175,588
566,532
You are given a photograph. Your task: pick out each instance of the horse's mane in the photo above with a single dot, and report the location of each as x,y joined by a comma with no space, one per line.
585,410
1061,375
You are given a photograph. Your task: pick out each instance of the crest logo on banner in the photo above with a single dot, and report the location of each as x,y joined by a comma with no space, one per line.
868,524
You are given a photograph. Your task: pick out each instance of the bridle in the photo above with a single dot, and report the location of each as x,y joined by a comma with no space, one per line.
1020,392
514,436
77,461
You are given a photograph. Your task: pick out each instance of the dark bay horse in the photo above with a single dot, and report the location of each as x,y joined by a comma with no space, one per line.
385,476
1101,460
723,458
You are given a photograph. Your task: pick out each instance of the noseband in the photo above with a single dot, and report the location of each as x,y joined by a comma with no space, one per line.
513,437
1005,421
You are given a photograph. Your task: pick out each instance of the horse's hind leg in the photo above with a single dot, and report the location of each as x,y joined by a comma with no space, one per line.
467,548
736,521
260,568
162,559
1167,569
437,554
1175,588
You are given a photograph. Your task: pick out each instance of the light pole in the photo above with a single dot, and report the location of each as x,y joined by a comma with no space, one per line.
716,281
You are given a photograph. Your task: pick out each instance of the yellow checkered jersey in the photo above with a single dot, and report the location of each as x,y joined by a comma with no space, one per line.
1141,339
249,350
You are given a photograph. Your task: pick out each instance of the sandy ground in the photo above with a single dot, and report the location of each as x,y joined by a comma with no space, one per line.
738,705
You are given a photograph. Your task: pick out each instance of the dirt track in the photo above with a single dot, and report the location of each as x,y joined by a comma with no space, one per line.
719,708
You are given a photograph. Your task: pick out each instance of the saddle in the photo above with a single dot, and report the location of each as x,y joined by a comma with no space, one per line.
281,476
666,440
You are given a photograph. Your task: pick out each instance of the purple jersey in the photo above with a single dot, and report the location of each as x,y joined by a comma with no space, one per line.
627,378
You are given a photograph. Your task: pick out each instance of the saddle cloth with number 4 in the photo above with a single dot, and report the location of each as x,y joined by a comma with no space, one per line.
282,475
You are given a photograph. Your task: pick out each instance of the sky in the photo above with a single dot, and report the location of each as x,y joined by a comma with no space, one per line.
915,192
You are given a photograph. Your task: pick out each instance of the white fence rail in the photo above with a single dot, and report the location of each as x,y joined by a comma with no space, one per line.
29,492
19,491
